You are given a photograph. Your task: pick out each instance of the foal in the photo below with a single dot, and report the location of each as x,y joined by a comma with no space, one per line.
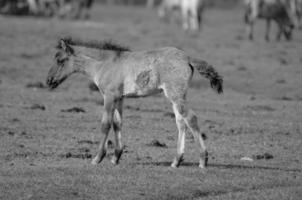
120,73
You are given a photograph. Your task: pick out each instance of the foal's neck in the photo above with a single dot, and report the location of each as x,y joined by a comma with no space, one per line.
86,65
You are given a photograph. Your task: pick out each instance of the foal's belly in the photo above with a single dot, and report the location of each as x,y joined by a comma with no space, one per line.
142,93
142,84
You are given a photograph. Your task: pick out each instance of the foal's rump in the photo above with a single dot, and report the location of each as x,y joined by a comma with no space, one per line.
167,66
146,72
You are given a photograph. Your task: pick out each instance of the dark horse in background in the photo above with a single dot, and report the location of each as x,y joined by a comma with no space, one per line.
75,9
283,12
15,7
72,9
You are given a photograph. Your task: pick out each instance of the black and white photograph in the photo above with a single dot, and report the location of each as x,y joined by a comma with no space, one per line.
150,99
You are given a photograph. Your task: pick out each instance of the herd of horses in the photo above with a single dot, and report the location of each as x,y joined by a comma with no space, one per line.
286,13
73,9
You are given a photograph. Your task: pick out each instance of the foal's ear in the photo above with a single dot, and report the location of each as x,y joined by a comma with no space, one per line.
66,47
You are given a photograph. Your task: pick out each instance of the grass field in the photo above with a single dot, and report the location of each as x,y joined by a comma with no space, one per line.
45,153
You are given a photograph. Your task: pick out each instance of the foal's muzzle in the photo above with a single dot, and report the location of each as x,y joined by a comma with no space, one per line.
52,83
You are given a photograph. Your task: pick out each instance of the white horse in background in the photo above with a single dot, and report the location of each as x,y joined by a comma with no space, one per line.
191,11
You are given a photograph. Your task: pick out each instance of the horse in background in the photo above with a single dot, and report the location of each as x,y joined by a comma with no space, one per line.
83,9
75,9
27,7
191,11
46,8
62,8
120,73
283,12
299,12
13,7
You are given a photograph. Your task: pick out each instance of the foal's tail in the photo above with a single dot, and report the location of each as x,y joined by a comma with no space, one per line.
209,72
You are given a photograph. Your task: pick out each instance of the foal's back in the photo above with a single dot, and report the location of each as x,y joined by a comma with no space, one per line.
143,73
168,62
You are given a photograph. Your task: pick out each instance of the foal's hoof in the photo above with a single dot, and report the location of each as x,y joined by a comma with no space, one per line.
95,161
98,158
114,160
116,157
174,164
202,168
203,162
177,161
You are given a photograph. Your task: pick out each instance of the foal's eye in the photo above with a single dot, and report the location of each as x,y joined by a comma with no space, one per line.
60,61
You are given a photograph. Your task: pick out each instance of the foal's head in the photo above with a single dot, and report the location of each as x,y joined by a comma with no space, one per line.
72,53
63,67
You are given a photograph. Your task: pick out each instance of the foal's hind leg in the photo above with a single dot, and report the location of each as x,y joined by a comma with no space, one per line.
190,119
117,127
182,128
192,123
185,118
105,128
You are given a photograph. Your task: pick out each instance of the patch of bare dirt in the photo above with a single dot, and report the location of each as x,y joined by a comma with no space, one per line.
74,110
156,143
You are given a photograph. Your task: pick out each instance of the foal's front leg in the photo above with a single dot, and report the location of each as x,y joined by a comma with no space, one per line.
117,127
105,128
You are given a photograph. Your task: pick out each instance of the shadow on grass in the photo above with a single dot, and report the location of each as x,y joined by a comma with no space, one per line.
218,190
222,166
235,189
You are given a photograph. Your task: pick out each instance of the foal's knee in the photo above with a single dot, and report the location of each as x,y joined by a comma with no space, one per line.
192,119
181,109
117,121
105,127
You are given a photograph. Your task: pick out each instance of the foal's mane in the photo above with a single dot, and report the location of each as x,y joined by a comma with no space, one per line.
95,44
